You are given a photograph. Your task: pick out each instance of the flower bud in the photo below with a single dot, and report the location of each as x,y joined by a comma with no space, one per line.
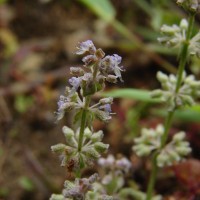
87,133
101,147
174,156
156,93
183,150
170,29
184,24
108,100
188,100
102,115
99,53
96,137
162,77
68,132
160,129
107,162
58,148
141,150
124,164
162,160
91,153
111,79
172,78
56,197
179,136
76,71
89,60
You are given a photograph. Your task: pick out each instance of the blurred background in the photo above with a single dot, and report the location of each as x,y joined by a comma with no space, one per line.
38,40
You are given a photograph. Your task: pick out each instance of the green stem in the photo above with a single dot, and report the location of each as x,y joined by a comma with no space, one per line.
152,179
168,122
82,128
184,52
83,122
167,126
154,162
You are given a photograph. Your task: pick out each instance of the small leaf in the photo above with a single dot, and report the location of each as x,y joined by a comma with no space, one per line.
26,183
136,94
22,103
77,116
102,8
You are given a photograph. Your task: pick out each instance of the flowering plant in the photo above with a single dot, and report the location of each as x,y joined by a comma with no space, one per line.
177,91
84,145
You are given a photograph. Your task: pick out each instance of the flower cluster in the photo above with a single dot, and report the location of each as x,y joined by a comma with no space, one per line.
84,146
190,89
91,149
81,189
78,188
194,46
191,5
122,164
98,68
115,171
173,152
174,35
149,140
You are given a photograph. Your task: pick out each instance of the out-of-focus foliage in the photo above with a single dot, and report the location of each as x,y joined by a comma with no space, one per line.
103,9
135,94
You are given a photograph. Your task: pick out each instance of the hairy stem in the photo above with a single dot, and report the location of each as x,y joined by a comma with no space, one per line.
83,122
168,122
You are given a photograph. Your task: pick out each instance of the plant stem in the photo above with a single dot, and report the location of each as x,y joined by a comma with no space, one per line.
167,126
83,122
184,52
168,121
154,162
82,128
152,179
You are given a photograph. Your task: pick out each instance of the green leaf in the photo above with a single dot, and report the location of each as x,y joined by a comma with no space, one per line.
22,103
77,116
136,94
102,8
26,183
191,114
